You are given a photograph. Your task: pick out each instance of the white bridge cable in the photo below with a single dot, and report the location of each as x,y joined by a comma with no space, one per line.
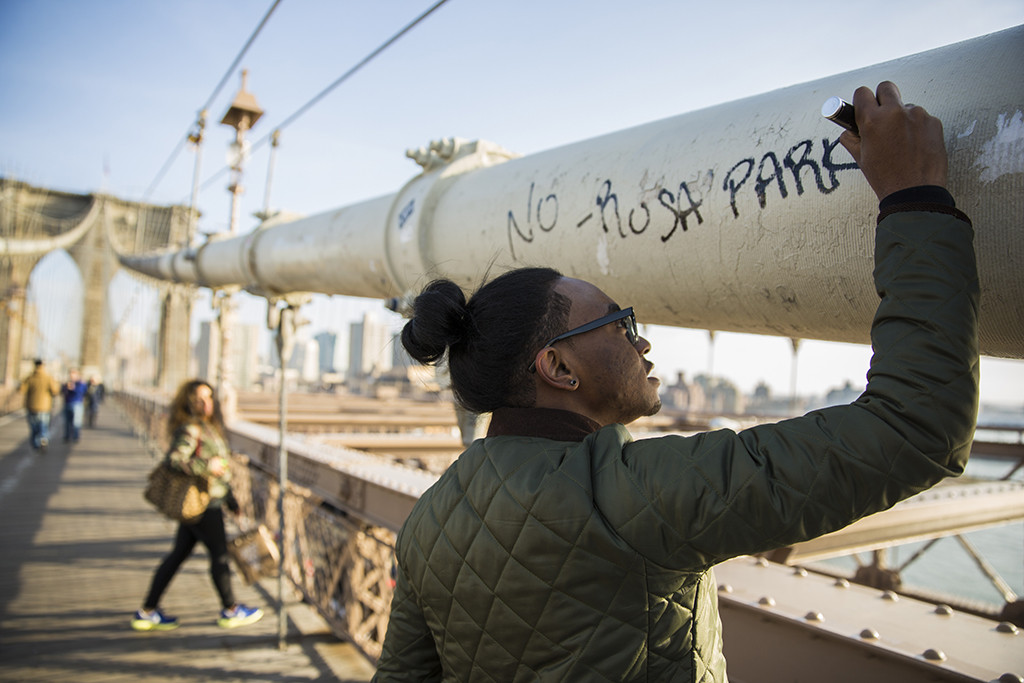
209,101
134,300
326,91
34,341
48,331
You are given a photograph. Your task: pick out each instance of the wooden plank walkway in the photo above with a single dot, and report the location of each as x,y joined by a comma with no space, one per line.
78,547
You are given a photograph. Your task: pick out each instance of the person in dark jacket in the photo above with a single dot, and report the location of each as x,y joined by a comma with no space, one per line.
94,395
559,549
73,393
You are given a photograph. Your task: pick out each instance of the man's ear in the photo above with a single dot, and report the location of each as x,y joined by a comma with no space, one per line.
554,370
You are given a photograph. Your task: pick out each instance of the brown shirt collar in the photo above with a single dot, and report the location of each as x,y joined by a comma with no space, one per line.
546,423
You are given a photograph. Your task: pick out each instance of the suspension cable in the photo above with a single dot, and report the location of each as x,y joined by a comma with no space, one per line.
341,79
216,91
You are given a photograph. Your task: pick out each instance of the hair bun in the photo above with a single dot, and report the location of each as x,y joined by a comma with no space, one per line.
440,320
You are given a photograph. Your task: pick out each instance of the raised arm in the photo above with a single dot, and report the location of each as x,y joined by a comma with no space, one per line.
774,485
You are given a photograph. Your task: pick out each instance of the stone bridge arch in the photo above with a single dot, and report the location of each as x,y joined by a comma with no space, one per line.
94,229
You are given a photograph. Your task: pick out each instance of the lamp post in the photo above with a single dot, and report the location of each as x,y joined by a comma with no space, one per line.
284,320
241,115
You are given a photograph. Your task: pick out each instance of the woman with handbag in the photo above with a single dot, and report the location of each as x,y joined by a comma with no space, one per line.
198,448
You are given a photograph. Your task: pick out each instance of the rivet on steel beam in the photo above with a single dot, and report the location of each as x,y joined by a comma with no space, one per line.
767,601
890,596
725,588
944,610
934,655
814,616
1010,678
799,571
841,583
869,634
761,562
1007,627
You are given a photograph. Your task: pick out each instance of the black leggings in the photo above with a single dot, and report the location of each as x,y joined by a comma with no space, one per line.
210,531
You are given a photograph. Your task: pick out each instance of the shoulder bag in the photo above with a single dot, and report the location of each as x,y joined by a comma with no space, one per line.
178,495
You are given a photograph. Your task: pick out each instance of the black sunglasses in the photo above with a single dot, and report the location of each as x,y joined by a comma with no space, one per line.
625,314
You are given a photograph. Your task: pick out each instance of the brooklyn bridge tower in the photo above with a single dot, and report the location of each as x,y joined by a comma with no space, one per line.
93,230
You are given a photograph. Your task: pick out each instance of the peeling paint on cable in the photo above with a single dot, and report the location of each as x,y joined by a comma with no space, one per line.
967,133
1004,153
602,255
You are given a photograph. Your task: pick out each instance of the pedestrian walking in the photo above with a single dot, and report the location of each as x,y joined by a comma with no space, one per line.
39,389
94,394
199,448
74,397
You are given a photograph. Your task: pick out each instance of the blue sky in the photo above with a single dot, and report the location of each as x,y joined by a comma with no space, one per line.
95,95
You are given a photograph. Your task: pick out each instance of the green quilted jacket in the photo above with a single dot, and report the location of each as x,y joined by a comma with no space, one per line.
589,558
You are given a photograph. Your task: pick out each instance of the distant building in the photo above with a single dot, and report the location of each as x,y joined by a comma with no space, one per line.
704,395
762,393
722,397
684,396
244,356
207,351
763,403
305,360
328,342
400,358
843,395
369,353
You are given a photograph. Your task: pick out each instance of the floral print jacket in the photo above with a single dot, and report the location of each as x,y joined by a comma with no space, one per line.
194,447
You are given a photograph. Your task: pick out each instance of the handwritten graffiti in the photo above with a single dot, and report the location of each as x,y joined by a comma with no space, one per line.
771,175
679,214
733,187
776,176
546,216
406,212
796,166
605,199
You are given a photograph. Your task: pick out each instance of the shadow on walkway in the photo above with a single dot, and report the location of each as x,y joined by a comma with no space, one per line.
78,547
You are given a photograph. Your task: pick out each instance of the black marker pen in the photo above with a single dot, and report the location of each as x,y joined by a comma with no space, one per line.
840,112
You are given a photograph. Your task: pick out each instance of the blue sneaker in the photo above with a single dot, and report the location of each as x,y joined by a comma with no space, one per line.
239,615
155,620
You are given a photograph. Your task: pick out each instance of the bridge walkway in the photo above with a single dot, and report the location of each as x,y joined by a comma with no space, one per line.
78,546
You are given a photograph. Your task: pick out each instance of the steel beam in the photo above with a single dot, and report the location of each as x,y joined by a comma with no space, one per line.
944,510
785,625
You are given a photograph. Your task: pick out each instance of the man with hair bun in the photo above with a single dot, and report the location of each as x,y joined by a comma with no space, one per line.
559,549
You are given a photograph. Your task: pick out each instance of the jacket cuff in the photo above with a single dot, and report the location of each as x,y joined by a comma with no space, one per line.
921,198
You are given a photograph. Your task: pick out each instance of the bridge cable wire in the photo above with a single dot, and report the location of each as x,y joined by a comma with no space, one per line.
341,79
216,91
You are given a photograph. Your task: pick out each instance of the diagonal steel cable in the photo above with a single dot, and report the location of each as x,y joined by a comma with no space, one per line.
323,93
216,91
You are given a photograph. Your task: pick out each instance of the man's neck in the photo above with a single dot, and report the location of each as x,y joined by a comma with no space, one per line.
547,423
